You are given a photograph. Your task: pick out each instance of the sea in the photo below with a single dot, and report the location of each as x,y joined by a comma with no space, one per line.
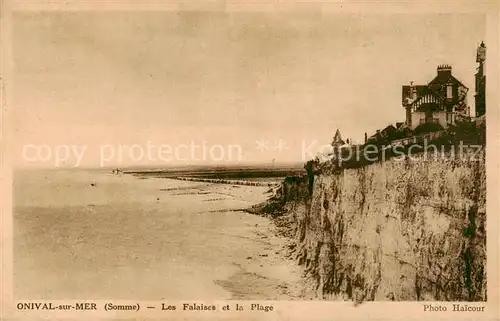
93,234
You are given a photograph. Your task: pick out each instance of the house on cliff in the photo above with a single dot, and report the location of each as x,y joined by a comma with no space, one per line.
337,140
338,143
442,101
338,146
389,134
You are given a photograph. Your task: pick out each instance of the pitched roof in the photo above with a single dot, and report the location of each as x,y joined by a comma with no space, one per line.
435,86
337,139
387,129
444,78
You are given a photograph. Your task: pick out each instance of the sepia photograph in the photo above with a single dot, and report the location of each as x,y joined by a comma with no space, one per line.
194,156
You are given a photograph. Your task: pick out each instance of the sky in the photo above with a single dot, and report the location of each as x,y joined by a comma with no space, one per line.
272,83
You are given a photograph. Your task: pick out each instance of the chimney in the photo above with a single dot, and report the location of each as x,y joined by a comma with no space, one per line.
444,70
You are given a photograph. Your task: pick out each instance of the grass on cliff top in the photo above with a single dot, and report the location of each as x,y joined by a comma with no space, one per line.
462,134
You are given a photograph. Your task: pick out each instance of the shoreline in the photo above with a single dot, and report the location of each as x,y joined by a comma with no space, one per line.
267,273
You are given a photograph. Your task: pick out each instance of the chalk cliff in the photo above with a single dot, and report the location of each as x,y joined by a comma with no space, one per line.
394,230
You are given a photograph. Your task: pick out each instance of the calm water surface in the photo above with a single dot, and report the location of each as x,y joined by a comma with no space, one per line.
118,240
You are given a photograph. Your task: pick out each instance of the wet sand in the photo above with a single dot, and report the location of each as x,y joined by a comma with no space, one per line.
147,239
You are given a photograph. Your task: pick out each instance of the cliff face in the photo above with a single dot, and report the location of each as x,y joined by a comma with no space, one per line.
396,230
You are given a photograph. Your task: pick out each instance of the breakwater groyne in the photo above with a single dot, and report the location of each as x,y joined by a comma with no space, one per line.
229,181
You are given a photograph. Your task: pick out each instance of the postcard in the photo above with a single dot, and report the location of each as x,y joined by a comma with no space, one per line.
253,160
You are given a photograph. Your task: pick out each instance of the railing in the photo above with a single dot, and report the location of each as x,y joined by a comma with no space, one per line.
417,139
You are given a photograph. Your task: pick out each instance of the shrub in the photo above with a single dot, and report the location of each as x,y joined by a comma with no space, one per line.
427,128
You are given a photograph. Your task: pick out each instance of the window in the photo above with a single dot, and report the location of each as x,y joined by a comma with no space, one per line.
435,120
449,92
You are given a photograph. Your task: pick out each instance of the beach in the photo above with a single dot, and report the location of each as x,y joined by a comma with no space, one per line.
91,234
